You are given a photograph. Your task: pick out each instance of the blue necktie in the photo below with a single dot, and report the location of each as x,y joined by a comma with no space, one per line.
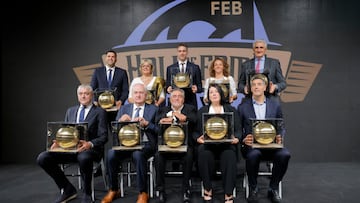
137,113
109,78
82,114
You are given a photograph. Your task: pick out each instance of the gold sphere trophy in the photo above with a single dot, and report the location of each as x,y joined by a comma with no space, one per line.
126,135
218,128
173,136
265,131
66,135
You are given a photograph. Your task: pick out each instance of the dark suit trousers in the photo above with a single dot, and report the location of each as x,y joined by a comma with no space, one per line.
139,157
280,158
50,161
226,154
160,164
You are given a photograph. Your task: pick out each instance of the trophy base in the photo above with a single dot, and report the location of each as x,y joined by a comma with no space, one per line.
267,146
124,148
165,148
209,141
72,151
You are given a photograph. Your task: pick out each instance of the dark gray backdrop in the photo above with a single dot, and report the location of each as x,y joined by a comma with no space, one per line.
43,41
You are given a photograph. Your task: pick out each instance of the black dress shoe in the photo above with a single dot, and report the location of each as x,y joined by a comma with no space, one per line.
162,197
186,197
274,195
253,196
68,194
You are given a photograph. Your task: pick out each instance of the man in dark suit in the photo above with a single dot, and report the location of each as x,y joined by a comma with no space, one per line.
262,64
185,66
262,107
88,151
146,118
179,112
110,77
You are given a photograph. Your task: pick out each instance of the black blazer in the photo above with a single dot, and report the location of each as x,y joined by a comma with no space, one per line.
97,125
120,81
194,71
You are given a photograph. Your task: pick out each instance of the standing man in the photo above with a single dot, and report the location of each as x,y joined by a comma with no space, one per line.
87,151
262,107
145,115
110,77
262,64
182,113
185,66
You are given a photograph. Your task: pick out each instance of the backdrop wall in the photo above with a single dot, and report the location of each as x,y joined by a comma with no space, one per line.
45,43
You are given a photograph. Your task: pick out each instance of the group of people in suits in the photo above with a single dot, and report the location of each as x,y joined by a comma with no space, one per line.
260,103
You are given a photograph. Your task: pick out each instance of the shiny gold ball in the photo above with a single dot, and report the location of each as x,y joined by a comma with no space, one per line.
182,80
174,136
264,133
106,100
216,128
129,135
67,137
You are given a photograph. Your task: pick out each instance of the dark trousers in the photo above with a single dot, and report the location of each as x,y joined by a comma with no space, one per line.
226,154
139,157
50,161
160,164
279,157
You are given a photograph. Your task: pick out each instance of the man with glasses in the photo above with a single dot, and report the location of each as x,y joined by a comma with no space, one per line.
262,64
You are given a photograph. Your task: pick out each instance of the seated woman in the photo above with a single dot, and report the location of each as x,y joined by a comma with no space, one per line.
154,84
224,152
219,73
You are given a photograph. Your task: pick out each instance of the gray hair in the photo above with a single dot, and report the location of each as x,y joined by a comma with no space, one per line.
260,41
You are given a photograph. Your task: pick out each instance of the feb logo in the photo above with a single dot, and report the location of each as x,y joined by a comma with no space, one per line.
300,75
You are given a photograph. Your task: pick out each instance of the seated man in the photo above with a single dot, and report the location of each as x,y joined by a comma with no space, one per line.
262,107
182,113
88,151
145,114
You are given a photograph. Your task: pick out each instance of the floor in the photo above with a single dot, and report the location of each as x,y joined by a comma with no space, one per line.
304,182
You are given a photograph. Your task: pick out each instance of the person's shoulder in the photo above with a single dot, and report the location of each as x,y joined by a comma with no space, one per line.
119,69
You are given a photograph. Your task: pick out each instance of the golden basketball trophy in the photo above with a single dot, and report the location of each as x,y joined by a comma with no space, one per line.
265,131
218,128
67,136
105,98
126,135
156,90
173,136
181,80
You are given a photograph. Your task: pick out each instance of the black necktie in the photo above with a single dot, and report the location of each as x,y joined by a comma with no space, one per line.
82,114
182,68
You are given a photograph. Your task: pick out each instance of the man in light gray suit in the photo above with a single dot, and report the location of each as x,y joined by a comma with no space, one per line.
146,117
262,64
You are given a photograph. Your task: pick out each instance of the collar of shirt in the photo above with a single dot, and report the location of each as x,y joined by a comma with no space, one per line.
180,62
255,102
109,68
177,110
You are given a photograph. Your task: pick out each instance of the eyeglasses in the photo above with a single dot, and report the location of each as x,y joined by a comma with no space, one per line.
259,47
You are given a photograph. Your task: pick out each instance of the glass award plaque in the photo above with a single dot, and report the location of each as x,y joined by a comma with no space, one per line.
265,131
66,135
127,135
218,128
173,137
